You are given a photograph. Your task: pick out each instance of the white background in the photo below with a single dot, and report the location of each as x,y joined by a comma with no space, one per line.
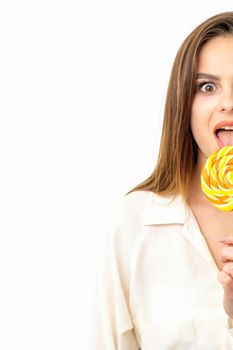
83,85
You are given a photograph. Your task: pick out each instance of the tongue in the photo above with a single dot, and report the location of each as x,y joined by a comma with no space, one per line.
226,137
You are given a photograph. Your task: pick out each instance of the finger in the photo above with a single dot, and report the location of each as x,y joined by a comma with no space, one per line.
224,278
223,260
227,252
228,268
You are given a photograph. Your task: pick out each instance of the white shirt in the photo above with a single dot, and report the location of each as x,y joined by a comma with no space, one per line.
158,286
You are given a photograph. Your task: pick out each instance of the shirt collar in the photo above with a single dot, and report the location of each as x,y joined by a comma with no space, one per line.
165,210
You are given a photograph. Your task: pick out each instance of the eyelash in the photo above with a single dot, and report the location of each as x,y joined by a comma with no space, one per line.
199,86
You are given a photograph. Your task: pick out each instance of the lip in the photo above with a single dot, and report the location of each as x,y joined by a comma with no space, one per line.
223,123
220,125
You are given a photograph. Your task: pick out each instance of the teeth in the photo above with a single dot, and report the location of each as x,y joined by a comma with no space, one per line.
227,128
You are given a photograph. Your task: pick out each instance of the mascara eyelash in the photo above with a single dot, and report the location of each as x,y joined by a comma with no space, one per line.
199,85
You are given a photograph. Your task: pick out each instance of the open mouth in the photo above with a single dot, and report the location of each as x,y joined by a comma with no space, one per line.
224,136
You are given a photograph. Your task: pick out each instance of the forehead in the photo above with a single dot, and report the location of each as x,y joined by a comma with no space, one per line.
216,56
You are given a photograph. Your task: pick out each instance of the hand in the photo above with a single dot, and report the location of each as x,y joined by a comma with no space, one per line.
225,277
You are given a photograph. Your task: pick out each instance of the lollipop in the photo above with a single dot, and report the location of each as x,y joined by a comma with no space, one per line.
217,178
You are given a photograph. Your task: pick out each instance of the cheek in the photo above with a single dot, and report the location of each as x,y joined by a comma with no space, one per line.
199,119
195,116
201,111
198,105
203,105
196,131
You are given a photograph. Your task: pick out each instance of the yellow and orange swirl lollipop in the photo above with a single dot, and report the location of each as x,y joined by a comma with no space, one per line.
217,178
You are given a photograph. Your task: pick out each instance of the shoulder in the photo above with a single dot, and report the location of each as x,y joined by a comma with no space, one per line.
126,218
133,208
141,208
147,208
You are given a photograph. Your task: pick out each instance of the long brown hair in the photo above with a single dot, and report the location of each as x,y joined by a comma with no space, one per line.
177,155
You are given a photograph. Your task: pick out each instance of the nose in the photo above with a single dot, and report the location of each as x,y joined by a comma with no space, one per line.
226,102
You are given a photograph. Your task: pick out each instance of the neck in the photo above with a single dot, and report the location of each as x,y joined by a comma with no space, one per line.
196,194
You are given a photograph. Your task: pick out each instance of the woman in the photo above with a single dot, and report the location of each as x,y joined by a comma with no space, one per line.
166,281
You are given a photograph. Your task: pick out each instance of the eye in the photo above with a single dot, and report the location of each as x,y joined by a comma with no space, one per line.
207,87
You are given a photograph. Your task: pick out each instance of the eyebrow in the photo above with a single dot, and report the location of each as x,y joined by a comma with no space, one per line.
207,76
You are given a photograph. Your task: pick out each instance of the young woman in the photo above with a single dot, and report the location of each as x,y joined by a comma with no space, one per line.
167,277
